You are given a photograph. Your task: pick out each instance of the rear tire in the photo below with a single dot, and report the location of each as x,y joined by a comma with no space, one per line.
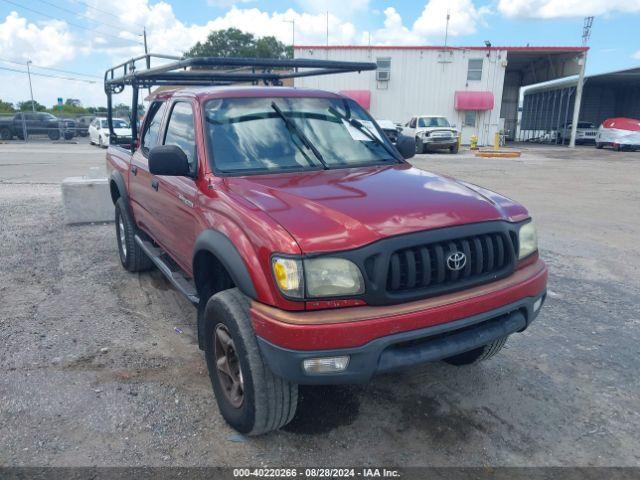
616,147
6,134
267,402
479,354
132,256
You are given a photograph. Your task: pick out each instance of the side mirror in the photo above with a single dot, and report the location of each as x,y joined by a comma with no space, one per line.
406,146
168,160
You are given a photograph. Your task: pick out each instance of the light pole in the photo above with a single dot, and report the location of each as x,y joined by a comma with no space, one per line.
293,35
33,106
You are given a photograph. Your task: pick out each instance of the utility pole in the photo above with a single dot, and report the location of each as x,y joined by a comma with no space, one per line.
33,106
146,52
293,36
446,30
327,52
586,33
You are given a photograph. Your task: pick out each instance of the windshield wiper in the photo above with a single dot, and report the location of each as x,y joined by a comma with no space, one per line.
364,130
305,140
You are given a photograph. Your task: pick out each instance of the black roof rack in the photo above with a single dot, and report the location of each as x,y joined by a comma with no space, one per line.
207,71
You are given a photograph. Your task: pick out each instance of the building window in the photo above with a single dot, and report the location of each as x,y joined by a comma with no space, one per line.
475,69
470,118
383,73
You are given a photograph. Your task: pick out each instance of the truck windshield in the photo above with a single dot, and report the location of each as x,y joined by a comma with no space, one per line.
247,135
427,122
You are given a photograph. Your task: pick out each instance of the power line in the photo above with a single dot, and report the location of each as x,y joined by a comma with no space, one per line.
47,75
6,60
70,23
105,12
81,15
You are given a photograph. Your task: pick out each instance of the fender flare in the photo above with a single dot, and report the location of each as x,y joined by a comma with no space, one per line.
225,251
118,179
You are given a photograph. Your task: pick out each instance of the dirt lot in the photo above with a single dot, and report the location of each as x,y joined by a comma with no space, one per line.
95,373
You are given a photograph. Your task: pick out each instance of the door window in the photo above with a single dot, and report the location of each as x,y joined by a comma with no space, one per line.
152,126
470,118
180,132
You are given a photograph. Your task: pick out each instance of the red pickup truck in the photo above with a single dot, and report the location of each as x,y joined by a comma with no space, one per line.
314,252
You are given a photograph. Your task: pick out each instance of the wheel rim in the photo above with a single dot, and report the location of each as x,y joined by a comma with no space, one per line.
123,243
228,366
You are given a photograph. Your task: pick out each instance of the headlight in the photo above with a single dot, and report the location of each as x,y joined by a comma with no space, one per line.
288,274
527,239
323,277
330,277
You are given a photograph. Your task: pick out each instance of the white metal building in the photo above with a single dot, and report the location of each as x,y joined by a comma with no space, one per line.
476,88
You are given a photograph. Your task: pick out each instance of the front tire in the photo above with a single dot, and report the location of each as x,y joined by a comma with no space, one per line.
53,135
250,397
419,146
100,143
132,256
599,145
6,134
479,354
454,149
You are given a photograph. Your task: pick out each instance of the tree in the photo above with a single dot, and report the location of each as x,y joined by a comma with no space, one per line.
236,43
26,106
6,107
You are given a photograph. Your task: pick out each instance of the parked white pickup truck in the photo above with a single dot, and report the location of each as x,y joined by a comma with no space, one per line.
432,132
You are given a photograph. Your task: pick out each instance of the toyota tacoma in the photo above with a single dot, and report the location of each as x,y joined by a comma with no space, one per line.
314,252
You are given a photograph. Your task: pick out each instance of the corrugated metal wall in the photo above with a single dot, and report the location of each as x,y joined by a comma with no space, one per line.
422,82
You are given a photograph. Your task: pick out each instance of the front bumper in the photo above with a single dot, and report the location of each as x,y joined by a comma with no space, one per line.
401,350
434,143
383,338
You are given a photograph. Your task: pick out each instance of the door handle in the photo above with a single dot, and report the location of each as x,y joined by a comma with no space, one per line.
134,169
154,184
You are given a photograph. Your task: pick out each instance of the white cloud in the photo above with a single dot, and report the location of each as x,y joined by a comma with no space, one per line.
45,44
463,18
565,8
429,27
636,55
394,32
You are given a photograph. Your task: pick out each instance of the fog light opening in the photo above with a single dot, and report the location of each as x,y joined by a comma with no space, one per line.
537,304
325,365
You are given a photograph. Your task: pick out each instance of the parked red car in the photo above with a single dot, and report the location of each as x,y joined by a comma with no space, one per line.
619,133
314,252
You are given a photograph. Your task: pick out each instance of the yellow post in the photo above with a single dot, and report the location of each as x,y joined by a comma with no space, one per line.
473,141
459,139
496,141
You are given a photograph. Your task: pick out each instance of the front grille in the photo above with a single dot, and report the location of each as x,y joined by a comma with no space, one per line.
424,267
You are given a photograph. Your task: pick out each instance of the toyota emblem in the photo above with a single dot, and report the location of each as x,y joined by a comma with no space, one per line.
456,261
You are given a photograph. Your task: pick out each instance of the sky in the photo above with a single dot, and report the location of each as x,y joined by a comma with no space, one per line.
79,39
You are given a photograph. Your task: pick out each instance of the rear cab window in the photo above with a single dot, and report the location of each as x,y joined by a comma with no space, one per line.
152,126
181,132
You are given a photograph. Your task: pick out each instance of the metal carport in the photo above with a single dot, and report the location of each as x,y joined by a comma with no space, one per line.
546,108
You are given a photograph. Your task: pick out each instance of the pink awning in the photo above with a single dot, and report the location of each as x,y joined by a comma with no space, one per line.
363,97
465,100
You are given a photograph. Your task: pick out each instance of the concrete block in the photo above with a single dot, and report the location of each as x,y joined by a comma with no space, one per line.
87,200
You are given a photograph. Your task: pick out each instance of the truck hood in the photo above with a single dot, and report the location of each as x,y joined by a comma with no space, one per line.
341,209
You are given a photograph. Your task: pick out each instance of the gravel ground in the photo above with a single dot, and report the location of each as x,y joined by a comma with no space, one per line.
95,373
